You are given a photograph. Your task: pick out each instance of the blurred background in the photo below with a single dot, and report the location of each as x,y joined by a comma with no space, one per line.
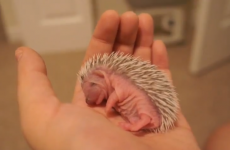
196,32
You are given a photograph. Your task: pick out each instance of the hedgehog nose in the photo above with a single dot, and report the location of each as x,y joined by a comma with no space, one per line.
89,102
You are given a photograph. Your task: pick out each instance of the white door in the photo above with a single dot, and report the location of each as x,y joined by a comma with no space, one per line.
55,25
212,39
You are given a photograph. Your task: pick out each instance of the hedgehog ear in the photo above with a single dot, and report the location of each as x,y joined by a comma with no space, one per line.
102,74
96,80
99,73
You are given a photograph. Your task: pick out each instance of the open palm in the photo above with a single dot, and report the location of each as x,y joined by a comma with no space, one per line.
49,124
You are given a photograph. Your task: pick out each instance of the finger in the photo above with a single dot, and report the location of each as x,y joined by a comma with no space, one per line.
102,40
160,59
104,34
35,94
127,33
159,55
145,37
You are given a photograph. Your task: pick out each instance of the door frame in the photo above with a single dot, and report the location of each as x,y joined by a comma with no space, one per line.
201,20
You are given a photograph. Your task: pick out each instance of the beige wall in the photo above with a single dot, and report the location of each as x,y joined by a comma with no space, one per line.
101,6
8,13
10,20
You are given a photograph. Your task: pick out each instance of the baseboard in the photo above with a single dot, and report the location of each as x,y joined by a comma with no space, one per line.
14,34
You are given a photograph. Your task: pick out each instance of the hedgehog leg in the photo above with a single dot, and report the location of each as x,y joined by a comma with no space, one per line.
100,99
112,100
142,122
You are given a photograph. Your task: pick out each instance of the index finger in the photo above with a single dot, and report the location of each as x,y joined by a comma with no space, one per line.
104,34
102,40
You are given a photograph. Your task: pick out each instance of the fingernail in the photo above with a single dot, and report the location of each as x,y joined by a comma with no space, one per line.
18,54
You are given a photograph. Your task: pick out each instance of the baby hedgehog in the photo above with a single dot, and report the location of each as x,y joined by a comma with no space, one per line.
136,89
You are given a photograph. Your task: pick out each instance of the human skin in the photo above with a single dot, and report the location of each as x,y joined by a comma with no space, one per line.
49,124
219,139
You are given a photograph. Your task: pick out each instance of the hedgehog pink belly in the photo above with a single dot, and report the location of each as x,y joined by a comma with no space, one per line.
132,108
133,102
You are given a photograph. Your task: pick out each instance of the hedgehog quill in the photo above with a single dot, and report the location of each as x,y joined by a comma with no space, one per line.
136,89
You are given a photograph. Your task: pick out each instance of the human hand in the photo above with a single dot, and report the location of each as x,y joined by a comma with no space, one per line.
49,124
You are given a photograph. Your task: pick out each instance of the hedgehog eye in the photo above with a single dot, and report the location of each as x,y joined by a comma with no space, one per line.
82,78
93,84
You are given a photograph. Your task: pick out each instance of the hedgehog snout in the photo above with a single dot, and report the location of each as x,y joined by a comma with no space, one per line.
89,102
93,93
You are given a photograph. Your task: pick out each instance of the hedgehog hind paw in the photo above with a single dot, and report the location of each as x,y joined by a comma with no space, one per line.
138,125
125,125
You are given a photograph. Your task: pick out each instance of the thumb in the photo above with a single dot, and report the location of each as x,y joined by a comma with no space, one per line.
36,97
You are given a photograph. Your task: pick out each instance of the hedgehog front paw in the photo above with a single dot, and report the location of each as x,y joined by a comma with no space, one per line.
111,102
